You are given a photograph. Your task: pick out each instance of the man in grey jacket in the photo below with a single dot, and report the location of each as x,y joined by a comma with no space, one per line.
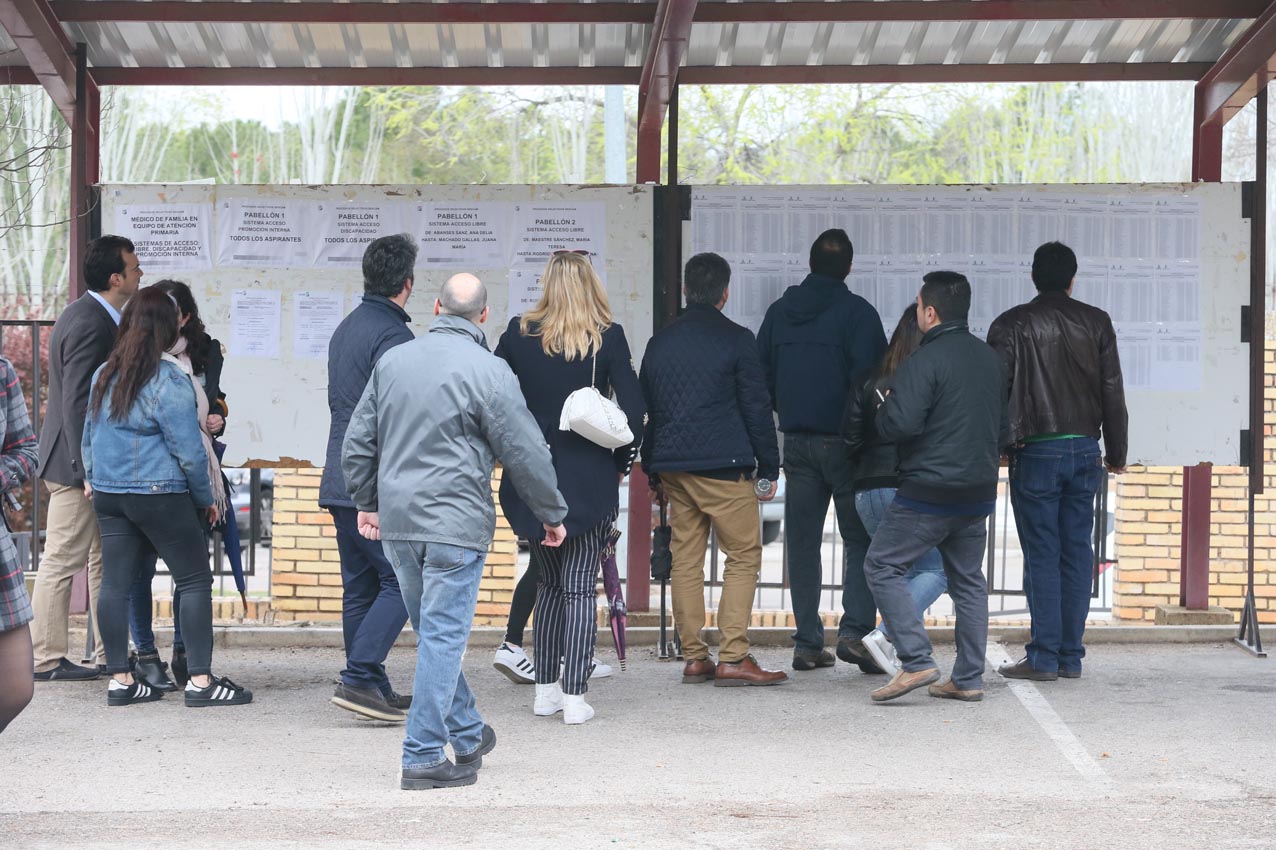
418,456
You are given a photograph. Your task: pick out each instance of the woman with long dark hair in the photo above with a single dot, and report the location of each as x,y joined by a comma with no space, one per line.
566,343
147,467
874,461
200,356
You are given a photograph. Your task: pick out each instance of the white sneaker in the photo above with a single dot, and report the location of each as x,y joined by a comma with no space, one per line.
599,670
514,663
549,701
882,651
575,710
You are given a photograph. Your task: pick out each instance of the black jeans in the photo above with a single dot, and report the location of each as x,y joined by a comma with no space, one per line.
523,603
132,525
372,610
816,470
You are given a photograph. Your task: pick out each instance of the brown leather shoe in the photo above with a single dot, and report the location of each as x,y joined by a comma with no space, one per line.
905,682
1021,669
698,670
947,690
746,672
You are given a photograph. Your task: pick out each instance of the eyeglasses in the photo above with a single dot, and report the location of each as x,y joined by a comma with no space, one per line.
579,251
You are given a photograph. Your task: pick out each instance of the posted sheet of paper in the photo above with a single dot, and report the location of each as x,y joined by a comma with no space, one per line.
264,234
168,237
542,229
458,235
344,231
315,315
254,323
525,290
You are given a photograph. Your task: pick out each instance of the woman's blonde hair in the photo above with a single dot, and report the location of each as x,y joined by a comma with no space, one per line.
573,311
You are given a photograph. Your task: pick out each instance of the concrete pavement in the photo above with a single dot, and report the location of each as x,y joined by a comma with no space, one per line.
1156,747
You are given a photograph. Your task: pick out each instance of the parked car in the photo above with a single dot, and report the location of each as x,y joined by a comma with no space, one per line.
241,502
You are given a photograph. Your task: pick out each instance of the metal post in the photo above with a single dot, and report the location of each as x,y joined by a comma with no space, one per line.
85,152
1194,556
1248,637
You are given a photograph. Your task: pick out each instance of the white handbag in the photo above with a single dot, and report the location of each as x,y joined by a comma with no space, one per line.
595,417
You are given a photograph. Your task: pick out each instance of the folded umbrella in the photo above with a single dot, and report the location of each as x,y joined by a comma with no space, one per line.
615,597
230,536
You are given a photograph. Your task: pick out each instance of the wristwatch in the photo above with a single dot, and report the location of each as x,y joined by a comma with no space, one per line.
763,486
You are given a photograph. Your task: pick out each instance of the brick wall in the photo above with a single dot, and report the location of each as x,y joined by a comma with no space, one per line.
305,570
1149,525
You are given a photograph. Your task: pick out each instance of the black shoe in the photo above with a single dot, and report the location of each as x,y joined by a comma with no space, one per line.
1070,674
101,669
367,702
400,701
218,693
68,672
475,759
1021,669
178,666
445,775
139,691
153,672
852,651
805,659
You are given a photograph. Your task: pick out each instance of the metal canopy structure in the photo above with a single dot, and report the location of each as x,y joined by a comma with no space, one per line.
72,47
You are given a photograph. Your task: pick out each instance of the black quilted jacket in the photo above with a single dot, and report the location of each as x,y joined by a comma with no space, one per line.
708,406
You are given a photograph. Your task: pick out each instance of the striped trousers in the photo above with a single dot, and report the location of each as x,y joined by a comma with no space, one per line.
566,611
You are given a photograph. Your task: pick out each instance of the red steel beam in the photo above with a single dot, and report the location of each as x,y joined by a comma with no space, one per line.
35,30
273,12
1237,76
1004,73
668,45
977,10
366,76
752,11
1194,550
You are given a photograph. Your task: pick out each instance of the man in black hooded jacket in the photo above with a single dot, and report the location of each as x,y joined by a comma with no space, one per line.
813,341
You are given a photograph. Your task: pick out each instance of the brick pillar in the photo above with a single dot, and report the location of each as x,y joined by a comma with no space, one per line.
305,570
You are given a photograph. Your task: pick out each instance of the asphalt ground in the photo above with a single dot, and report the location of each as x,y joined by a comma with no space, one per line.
1157,746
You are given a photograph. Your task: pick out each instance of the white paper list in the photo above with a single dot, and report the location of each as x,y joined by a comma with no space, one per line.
254,323
264,234
168,237
525,290
542,229
455,235
344,231
315,315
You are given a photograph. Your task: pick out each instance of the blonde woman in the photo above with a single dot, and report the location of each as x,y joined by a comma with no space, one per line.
555,349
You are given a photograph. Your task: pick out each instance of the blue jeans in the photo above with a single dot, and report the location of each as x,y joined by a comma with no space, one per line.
926,579
816,469
440,588
1052,487
372,609
903,537
141,609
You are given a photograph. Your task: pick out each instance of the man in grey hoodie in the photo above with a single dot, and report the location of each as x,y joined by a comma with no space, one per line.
437,413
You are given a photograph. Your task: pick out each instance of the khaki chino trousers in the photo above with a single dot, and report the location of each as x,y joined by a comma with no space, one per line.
697,504
71,541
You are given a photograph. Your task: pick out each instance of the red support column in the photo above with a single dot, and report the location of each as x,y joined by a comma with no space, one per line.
85,154
1194,555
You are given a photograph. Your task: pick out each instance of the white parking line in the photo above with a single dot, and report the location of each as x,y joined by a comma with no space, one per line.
1050,721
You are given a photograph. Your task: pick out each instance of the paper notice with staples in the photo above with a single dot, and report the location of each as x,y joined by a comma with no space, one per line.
459,235
344,231
542,229
315,315
168,237
525,290
263,234
254,323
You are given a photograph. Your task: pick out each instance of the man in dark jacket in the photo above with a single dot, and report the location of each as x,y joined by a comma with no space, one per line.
81,342
709,430
372,611
946,412
1061,360
813,342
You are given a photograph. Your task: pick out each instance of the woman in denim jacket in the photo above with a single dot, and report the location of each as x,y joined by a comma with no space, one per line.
147,471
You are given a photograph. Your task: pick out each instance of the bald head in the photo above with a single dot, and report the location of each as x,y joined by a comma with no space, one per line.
463,295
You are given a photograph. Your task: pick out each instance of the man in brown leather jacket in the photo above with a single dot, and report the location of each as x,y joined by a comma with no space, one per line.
1065,389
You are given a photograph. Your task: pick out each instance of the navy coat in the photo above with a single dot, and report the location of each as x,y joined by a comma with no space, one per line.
587,473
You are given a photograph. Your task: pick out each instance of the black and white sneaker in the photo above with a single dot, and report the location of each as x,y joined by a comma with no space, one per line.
118,693
219,692
514,663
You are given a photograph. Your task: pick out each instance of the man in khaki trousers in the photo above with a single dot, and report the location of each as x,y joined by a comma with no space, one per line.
81,341
709,447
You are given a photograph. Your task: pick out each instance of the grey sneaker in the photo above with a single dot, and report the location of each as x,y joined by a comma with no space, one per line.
368,703
882,651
